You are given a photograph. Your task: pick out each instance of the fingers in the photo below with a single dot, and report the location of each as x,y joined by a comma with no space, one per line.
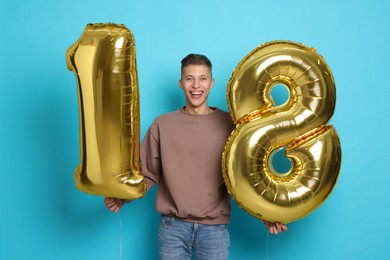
113,204
275,228
284,228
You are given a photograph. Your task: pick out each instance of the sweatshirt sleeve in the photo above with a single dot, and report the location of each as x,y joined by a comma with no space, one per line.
150,159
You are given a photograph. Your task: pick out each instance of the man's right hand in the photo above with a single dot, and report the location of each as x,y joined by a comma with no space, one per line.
114,204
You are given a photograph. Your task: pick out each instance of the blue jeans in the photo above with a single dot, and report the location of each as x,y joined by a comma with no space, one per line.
178,239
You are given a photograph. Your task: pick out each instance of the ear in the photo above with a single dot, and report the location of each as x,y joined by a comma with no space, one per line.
180,85
212,83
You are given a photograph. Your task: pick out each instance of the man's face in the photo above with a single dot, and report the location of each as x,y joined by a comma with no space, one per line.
196,82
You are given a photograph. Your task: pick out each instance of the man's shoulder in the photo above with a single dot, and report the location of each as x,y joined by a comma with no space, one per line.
222,113
219,110
224,118
169,116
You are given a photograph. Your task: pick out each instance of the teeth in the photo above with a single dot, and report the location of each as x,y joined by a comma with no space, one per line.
196,92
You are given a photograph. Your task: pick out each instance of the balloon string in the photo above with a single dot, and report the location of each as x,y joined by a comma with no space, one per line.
120,236
267,242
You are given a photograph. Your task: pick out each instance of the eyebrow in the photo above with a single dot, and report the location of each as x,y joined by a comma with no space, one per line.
201,75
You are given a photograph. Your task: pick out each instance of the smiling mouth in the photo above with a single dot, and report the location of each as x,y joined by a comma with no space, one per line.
196,93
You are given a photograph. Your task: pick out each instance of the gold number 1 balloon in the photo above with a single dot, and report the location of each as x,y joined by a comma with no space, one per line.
299,124
104,62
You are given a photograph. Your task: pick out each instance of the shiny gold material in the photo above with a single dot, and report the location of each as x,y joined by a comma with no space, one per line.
104,62
299,124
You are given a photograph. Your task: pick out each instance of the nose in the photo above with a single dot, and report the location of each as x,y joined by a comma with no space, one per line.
196,83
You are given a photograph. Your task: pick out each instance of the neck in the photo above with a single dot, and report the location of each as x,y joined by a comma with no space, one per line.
198,110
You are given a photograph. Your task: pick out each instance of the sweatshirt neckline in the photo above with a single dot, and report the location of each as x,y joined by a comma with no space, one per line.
212,114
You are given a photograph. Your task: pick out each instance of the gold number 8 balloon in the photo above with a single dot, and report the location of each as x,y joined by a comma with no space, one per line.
300,125
104,62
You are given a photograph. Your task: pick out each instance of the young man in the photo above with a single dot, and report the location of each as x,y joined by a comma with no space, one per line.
182,152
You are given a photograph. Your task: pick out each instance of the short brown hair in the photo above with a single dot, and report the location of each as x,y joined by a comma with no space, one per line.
196,59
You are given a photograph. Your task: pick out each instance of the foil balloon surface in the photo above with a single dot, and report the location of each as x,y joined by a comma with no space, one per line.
104,62
299,125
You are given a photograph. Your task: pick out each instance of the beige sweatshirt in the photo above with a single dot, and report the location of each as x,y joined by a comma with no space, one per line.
183,153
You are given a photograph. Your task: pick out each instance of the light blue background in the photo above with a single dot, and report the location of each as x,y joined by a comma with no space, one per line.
43,216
